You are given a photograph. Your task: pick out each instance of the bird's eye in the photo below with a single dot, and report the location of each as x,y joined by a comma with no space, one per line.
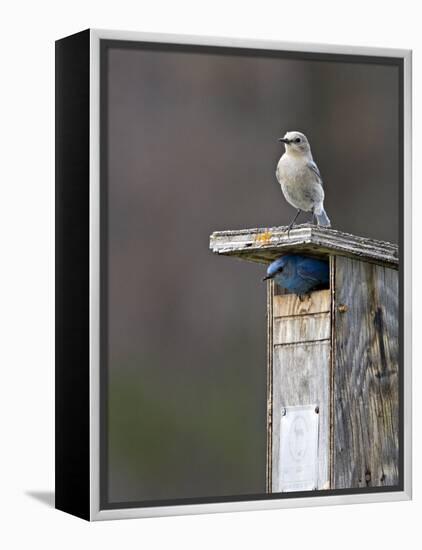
297,140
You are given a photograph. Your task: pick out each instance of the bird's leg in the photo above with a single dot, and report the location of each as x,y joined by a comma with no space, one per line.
314,220
293,221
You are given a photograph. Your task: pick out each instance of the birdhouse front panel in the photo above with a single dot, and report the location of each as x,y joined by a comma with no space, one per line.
301,347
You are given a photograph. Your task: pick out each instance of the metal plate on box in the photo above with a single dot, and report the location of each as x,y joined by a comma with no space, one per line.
299,448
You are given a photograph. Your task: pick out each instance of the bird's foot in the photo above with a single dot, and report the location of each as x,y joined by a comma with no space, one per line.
303,297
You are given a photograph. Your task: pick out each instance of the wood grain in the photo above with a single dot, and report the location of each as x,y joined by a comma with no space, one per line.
366,417
290,304
302,328
264,245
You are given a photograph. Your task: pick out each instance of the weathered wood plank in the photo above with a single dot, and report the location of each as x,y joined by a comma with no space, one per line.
263,245
286,305
366,403
301,371
302,328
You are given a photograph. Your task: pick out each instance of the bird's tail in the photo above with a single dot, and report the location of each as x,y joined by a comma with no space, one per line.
323,219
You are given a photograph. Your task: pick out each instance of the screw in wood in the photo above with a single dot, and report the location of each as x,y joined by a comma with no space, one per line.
317,409
283,412
342,308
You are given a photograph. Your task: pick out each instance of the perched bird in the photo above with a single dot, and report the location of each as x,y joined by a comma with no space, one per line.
300,179
299,274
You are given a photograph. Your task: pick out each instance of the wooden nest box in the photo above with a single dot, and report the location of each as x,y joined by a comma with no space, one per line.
332,370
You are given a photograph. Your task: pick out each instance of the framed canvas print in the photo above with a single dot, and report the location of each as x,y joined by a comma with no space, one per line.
232,274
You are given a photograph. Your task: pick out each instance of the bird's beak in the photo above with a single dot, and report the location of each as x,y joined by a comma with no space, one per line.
284,140
268,277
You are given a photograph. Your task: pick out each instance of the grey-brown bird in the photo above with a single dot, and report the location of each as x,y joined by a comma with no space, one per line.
300,179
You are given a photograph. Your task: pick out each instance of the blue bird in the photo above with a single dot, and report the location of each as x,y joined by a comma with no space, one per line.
299,274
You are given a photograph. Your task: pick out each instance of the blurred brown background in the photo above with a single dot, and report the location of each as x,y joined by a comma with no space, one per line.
192,149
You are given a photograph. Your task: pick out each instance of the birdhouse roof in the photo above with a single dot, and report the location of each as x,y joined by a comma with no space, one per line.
263,245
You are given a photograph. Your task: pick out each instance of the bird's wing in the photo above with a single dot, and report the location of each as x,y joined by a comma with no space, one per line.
312,166
312,270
